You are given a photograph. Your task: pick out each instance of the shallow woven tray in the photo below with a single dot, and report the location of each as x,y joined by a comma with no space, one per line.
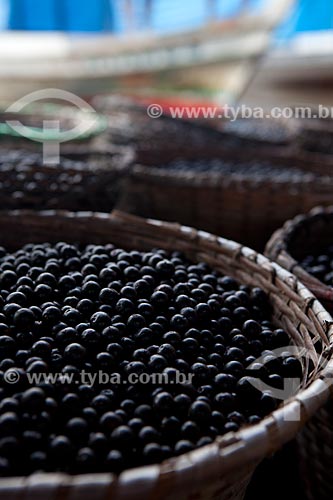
287,246
241,207
223,469
85,179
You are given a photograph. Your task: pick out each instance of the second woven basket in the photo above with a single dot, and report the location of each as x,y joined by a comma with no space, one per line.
301,236
246,201
84,179
298,237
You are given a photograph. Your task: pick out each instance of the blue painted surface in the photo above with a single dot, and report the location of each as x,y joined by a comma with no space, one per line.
4,14
229,8
173,15
121,21
166,15
306,15
315,15
66,15
33,15
85,15
100,15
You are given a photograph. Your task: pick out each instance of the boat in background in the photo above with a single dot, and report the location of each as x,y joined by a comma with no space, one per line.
213,60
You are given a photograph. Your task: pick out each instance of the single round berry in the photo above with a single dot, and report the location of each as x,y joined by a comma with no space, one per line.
24,318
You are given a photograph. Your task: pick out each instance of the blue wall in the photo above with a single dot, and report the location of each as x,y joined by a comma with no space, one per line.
67,15
166,15
33,14
307,15
100,15
3,14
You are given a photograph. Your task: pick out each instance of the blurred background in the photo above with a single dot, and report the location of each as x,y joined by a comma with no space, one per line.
193,52
267,51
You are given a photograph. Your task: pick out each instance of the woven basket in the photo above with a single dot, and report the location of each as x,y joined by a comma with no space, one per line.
298,237
308,140
167,137
242,207
222,469
315,136
260,132
85,179
287,246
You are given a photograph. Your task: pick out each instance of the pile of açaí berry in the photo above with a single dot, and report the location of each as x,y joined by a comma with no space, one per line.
65,309
253,170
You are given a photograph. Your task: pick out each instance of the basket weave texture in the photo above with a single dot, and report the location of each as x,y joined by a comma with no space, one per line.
304,233
129,122
240,207
315,136
299,237
166,138
246,208
220,470
315,445
84,179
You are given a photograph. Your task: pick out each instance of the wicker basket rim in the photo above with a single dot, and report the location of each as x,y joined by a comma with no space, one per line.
235,449
114,104
288,124
316,125
277,246
120,158
165,175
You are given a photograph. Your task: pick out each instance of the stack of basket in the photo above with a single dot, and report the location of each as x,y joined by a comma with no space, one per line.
242,205
86,175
